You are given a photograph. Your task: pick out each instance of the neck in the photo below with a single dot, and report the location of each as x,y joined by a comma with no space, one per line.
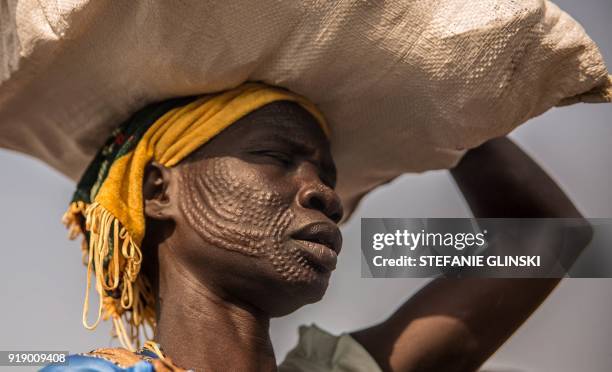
200,330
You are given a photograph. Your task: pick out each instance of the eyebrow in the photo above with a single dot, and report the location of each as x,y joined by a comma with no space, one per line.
301,147
328,168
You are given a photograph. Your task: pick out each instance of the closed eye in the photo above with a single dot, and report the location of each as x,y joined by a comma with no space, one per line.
281,157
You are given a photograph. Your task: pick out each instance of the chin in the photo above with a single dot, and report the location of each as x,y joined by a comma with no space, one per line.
298,294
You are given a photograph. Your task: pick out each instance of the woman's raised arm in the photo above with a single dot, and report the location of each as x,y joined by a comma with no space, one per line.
457,324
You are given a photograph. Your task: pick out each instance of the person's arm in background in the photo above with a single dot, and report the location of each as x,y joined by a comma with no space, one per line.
457,324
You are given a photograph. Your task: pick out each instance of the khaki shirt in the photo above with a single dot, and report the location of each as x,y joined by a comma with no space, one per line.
320,351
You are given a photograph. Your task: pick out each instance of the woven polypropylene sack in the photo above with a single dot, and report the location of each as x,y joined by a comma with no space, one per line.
407,86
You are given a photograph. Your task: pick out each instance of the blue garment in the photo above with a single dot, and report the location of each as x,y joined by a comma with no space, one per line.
316,351
89,363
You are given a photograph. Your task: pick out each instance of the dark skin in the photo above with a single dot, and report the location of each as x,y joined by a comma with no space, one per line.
457,324
234,228
245,229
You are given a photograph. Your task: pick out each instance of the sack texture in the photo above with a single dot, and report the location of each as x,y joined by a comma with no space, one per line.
407,86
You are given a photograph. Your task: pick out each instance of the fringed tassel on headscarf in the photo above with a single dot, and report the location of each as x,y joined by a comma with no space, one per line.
114,259
74,220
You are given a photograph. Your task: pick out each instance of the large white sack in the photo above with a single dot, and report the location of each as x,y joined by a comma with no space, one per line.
406,85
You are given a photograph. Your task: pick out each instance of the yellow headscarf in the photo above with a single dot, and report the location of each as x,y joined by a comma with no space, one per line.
108,205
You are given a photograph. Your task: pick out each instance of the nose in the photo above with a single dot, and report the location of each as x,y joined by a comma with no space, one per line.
314,194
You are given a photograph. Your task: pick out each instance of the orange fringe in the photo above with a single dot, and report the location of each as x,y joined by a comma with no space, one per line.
135,305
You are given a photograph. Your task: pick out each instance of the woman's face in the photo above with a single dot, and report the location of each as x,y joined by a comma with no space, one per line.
256,212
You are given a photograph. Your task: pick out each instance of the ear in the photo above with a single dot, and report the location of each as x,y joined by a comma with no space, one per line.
156,192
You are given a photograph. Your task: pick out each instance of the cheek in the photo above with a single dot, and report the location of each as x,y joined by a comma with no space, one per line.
233,213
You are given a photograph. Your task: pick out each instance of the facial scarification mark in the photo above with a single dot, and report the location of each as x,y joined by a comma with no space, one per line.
229,213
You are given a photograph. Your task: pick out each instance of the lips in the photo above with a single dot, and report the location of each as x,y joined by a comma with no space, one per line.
320,244
326,234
